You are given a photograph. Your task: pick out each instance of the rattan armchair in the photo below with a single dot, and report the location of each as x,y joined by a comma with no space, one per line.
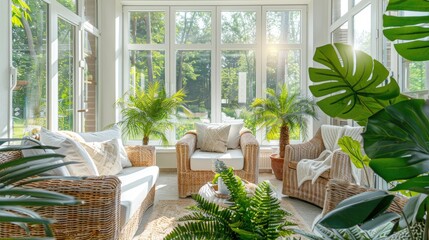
99,216
189,181
313,193
337,190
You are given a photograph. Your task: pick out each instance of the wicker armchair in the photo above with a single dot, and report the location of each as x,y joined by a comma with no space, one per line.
189,181
338,190
98,217
313,193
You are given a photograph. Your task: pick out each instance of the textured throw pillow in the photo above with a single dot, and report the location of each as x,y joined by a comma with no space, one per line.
60,171
233,136
72,151
215,138
106,135
105,156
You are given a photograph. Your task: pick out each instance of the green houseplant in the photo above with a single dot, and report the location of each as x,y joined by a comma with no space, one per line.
146,112
354,86
19,201
256,217
281,113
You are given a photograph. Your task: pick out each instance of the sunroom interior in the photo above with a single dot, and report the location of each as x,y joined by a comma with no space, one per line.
66,63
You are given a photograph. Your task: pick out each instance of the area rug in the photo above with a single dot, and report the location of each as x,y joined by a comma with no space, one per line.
161,219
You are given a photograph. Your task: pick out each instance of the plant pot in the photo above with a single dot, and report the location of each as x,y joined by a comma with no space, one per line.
222,188
277,165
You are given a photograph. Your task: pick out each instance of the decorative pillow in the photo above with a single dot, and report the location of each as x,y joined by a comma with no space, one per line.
215,138
233,136
106,135
60,171
72,151
105,155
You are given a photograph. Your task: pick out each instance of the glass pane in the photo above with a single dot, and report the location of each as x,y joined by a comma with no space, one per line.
91,13
70,4
90,83
193,73
193,27
238,27
356,2
362,30
146,66
284,27
340,34
238,79
147,27
66,77
339,8
415,76
284,66
29,56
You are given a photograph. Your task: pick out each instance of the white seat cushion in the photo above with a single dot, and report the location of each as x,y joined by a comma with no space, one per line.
204,160
135,185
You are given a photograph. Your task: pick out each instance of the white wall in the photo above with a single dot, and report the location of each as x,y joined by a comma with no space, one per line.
110,61
317,36
5,60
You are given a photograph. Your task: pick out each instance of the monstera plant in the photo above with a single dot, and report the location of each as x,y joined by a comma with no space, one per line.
353,85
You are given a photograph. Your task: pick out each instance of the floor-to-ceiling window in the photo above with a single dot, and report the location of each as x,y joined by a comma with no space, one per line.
223,56
54,49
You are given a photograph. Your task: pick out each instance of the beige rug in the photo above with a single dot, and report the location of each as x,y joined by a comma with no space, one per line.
161,218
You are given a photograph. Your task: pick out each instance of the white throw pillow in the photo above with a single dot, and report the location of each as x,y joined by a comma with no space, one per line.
105,156
233,136
106,135
60,171
215,138
72,151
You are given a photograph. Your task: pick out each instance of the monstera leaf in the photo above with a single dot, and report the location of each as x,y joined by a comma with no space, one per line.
409,29
397,141
353,86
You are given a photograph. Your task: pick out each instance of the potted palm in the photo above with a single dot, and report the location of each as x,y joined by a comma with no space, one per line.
282,113
146,112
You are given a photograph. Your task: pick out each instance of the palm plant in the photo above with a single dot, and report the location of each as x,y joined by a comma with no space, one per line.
147,112
283,113
256,217
16,193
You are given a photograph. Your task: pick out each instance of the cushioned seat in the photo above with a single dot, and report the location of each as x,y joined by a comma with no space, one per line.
136,183
201,160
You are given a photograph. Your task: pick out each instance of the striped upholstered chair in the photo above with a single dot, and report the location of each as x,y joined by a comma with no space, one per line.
190,181
313,193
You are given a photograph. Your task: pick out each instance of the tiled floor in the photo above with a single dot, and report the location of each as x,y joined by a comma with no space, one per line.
167,190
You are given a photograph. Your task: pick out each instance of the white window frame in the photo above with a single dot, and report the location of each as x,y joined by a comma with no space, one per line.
216,47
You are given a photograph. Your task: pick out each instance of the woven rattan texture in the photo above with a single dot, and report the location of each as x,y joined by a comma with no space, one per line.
189,181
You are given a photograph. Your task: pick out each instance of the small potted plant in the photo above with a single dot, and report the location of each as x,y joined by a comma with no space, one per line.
281,113
146,112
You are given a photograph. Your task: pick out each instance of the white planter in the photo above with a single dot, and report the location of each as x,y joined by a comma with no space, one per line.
222,188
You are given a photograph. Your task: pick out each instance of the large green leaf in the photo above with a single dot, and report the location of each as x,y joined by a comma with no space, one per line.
409,27
414,210
357,209
397,140
354,149
353,86
418,184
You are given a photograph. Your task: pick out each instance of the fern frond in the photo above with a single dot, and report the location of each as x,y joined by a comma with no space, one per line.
201,230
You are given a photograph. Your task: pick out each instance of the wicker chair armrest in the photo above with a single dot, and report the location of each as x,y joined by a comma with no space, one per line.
185,147
141,156
337,190
100,210
250,148
341,167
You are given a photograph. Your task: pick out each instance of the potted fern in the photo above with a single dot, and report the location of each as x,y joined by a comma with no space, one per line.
282,113
146,112
249,217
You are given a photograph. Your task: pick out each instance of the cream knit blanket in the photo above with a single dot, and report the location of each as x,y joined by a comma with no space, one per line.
311,169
